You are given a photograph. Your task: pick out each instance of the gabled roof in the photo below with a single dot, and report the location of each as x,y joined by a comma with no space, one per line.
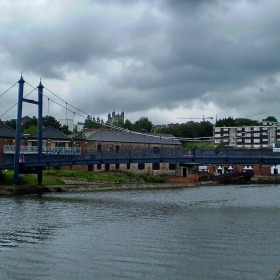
50,133
79,136
6,131
133,137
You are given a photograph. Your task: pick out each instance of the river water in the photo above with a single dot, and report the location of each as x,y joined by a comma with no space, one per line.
220,232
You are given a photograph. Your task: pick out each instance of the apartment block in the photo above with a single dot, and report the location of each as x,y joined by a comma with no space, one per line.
266,135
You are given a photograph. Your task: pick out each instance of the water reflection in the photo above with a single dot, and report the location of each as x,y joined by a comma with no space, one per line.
206,232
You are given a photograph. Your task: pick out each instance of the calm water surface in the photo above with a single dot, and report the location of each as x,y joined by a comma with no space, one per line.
223,232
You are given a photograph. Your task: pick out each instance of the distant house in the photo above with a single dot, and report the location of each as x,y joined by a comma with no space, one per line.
24,119
52,138
7,137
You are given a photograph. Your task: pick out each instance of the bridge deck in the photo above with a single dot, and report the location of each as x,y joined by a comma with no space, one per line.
146,155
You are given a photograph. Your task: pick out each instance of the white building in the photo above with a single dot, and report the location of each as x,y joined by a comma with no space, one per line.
266,135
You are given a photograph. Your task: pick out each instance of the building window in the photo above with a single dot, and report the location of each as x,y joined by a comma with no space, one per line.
225,129
265,146
57,144
256,128
9,142
239,134
247,128
247,146
117,166
239,146
156,166
239,140
217,129
156,150
98,167
141,166
172,166
256,146
256,134
247,135
264,128
117,148
128,166
239,128
256,140
265,139
34,144
247,140
264,133
99,147
77,145
217,135
217,141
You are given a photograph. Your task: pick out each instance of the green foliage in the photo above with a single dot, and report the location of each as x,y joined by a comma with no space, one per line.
30,130
12,123
143,125
92,123
151,179
189,129
230,122
51,121
6,177
33,122
270,119
221,144
65,129
128,125
246,122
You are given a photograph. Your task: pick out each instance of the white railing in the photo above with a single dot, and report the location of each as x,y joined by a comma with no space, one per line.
8,149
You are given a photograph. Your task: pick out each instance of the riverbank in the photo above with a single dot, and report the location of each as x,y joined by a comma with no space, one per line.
81,185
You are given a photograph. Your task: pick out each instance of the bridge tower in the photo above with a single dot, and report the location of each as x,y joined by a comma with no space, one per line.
17,164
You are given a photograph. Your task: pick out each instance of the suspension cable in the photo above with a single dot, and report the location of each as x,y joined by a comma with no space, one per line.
8,89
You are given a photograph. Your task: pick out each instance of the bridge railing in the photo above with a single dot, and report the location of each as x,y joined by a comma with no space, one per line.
141,154
8,149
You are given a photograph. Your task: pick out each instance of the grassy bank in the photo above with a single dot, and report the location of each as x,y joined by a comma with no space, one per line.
55,177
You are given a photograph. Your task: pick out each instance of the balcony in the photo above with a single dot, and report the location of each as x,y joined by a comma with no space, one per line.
8,149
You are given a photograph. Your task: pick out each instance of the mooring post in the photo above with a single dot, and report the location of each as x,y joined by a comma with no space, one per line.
40,125
18,129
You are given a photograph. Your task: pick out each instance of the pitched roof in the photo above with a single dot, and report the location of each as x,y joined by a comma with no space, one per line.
6,131
133,137
50,133
79,136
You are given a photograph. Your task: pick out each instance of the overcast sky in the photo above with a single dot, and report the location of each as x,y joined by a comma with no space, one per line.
161,59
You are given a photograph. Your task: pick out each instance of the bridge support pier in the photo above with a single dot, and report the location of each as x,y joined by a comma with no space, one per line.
17,158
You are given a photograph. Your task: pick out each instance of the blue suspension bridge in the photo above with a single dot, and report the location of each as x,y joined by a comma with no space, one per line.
40,158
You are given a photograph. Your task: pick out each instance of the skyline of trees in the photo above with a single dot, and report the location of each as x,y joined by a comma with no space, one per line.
190,129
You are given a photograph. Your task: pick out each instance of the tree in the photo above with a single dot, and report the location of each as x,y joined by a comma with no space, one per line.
246,122
128,125
12,123
65,129
143,125
31,129
51,121
228,122
270,119
90,122
27,124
